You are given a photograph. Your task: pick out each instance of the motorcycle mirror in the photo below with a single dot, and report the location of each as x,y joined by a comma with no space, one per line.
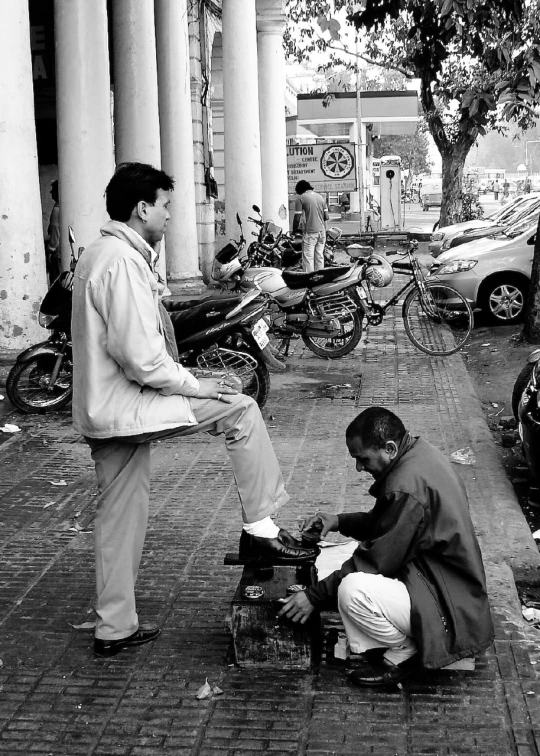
238,219
71,235
257,209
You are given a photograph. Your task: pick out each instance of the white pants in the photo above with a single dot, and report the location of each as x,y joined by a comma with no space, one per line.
123,473
376,612
312,251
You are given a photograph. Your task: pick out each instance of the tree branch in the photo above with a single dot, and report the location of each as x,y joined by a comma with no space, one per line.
354,54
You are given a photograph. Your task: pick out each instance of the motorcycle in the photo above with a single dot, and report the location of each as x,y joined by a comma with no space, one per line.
526,409
226,335
42,377
324,308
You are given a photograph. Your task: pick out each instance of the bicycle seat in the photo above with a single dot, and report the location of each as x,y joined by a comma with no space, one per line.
309,280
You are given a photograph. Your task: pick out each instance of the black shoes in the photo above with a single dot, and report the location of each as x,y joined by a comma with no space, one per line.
377,673
285,548
144,634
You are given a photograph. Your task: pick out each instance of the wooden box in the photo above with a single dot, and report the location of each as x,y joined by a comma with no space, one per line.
261,639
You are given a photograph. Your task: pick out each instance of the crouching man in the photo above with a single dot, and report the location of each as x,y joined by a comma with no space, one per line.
414,593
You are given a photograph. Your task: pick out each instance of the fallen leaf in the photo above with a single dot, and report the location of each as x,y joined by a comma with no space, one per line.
217,691
83,625
58,483
463,456
205,691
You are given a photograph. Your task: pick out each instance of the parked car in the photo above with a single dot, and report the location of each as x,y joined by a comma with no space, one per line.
492,273
526,408
460,233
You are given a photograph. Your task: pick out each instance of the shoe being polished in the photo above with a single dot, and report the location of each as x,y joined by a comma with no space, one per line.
283,548
144,634
376,673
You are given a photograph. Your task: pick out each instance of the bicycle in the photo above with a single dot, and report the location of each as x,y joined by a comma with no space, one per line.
427,306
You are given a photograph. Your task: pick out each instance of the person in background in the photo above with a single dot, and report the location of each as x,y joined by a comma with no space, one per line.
313,208
53,258
496,189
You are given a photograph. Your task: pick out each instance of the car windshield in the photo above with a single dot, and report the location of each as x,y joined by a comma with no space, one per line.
510,213
524,224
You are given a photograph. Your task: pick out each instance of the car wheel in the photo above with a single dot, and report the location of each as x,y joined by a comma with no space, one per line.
503,299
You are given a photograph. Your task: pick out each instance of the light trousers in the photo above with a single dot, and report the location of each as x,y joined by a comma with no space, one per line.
313,251
123,473
376,612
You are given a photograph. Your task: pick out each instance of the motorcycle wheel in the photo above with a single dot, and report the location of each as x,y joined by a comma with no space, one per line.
26,385
258,387
351,330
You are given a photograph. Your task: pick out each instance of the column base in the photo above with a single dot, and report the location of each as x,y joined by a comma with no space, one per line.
187,284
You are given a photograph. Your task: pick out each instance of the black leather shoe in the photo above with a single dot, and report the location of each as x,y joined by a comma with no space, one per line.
296,543
144,634
373,674
284,548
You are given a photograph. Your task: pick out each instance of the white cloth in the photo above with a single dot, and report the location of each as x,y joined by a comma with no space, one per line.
124,381
376,612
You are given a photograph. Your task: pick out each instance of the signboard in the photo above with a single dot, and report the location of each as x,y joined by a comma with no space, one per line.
327,167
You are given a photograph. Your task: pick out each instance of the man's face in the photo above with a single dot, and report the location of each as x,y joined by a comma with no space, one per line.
368,458
156,217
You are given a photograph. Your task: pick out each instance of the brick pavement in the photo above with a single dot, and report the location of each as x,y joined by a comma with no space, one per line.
56,699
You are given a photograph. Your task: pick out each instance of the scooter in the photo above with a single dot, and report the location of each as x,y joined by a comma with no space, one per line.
42,377
324,308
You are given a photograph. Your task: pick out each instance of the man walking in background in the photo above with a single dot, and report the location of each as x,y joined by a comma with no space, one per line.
313,207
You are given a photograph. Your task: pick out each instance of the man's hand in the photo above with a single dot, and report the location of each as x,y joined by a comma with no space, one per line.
322,523
297,608
215,388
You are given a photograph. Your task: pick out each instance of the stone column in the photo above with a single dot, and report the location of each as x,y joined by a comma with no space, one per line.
177,142
241,112
22,259
271,56
136,110
84,125
136,114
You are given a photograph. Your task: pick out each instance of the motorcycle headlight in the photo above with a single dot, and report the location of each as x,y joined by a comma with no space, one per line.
45,320
456,266
437,236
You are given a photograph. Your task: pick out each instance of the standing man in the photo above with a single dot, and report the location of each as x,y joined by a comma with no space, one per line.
496,189
414,592
313,207
129,390
52,246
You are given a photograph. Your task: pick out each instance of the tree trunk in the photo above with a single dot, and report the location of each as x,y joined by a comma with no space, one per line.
531,329
453,161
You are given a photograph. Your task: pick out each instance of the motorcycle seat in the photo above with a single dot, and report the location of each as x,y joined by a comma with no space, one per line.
188,321
309,280
171,304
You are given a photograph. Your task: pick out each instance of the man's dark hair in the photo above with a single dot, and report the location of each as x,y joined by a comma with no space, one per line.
131,184
302,186
375,426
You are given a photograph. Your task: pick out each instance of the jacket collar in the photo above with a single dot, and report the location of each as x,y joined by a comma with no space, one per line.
407,443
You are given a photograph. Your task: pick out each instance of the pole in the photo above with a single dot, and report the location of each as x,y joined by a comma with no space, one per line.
360,155
530,141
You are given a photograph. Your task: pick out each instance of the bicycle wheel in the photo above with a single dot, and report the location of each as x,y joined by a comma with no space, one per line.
438,319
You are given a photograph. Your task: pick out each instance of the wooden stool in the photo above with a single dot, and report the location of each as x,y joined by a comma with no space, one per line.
261,640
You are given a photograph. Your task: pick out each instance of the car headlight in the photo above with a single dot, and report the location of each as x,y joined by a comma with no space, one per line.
456,266
438,236
445,244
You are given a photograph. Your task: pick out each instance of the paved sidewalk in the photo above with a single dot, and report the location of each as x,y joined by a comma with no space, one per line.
55,698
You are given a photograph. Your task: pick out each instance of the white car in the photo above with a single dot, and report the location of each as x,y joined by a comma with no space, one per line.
441,239
492,273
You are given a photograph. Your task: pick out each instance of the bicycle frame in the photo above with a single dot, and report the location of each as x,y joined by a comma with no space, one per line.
415,281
